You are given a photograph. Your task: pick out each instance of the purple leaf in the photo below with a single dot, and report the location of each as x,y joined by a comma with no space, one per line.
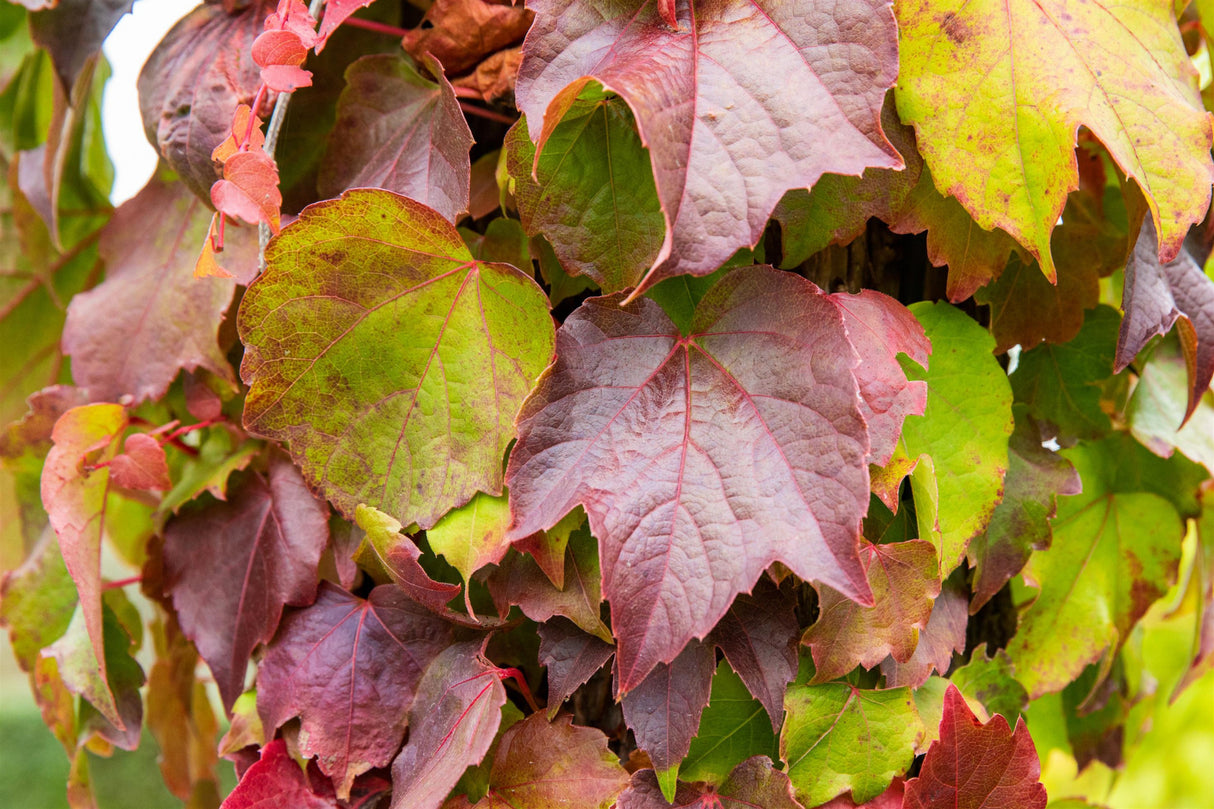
571,657
664,709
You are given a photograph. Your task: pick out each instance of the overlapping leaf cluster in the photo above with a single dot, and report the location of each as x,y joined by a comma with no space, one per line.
598,359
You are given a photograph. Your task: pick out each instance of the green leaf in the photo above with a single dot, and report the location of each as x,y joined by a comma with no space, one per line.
991,681
1060,383
473,535
1157,408
1116,549
390,361
37,601
837,737
963,432
999,134
733,728
592,193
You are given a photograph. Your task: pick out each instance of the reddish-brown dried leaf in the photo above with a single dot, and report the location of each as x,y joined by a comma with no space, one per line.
400,131
150,318
494,78
249,189
879,329
74,495
349,669
739,103
905,579
454,721
975,765
276,780
571,657
462,32
943,635
142,465
1021,521
1155,297
664,709
230,567
540,765
759,638
194,80
702,459
72,32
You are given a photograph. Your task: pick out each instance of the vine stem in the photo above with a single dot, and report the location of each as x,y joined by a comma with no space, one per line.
276,119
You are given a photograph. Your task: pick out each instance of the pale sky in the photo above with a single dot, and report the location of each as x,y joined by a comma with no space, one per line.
127,47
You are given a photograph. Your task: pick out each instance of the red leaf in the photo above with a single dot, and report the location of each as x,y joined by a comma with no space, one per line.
880,329
905,579
335,14
664,709
759,638
976,765
241,125
539,765
198,74
230,567
889,799
349,669
571,657
399,131
697,466
150,318
1155,297
285,78
74,496
293,16
275,781
667,9
142,465
249,189
720,171
275,47
455,718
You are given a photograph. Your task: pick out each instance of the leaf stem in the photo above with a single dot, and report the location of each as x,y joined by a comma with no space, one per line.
377,27
481,112
114,585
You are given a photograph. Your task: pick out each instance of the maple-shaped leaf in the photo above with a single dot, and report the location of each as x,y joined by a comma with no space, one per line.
976,764
1021,522
293,16
1061,383
193,81
141,465
759,637
75,493
72,32
1009,158
150,318
737,104
473,535
1157,296
541,764
663,710
696,466
399,557
879,329
400,131
733,728
376,297
451,726
571,657
230,567
905,579
837,737
603,220
459,33
276,780
249,189
960,442
753,783
943,635
243,123
349,669
1116,548
519,581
